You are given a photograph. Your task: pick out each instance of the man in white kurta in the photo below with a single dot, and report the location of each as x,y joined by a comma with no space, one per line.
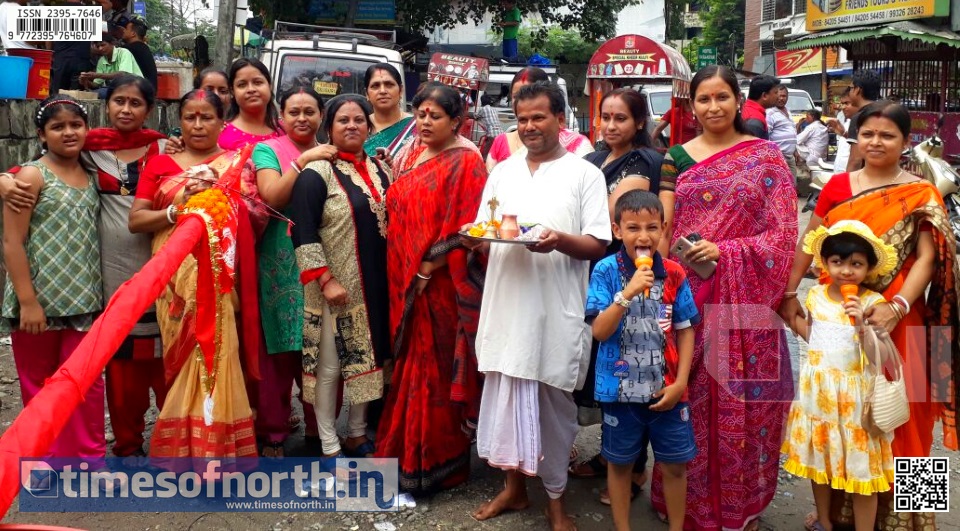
533,343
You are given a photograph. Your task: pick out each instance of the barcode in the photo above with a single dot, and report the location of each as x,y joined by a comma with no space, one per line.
56,25
921,484
48,23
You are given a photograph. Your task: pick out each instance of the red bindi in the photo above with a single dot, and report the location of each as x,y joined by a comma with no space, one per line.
427,110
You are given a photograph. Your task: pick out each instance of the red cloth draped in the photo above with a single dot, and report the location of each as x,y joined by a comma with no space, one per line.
108,138
40,421
156,185
435,389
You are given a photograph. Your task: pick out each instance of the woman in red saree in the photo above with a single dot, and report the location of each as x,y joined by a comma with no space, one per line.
906,212
737,193
206,413
435,287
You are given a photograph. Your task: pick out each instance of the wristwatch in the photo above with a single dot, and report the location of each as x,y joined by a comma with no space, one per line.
618,298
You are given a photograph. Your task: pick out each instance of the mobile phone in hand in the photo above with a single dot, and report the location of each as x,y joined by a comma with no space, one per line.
703,270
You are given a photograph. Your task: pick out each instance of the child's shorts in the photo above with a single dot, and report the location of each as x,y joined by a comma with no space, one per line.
627,427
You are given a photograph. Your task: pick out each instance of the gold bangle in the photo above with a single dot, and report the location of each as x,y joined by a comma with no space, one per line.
790,295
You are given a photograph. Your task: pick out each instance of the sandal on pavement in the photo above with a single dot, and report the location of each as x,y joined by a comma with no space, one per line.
594,468
364,449
272,450
810,521
635,491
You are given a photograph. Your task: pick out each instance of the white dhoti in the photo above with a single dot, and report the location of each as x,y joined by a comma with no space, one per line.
528,426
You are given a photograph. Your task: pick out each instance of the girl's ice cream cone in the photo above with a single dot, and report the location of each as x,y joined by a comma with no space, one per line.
848,291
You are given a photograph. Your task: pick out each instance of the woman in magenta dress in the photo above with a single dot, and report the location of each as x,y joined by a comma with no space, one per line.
737,193
252,117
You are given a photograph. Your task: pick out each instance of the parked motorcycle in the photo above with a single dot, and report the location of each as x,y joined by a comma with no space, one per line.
820,173
927,157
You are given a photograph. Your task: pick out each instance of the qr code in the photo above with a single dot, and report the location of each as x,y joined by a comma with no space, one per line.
921,484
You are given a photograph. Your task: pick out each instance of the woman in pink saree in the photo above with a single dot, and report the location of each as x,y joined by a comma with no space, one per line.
737,193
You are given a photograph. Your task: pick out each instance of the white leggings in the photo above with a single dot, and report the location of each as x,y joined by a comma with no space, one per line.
325,399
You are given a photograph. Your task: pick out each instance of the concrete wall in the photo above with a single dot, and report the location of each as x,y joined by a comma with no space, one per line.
18,134
751,35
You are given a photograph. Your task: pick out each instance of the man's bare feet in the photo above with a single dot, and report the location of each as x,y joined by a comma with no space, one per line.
506,501
558,518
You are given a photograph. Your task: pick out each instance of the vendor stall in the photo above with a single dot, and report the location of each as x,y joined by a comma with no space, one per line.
636,61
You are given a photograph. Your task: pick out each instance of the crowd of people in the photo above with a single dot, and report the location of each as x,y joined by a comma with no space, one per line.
372,297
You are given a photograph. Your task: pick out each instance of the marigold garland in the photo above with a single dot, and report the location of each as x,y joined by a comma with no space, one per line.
214,202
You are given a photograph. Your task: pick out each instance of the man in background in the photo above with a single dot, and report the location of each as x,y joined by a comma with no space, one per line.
134,33
763,94
812,141
113,61
781,130
864,90
839,127
511,29
488,116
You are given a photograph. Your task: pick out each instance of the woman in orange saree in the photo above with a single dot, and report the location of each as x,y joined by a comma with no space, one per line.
207,412
908,213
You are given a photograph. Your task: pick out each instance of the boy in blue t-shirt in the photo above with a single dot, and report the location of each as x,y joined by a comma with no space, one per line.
644,319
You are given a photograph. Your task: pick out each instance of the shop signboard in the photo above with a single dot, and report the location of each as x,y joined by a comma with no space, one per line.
459,71
706,55
371,12
804,62
831,14
635,57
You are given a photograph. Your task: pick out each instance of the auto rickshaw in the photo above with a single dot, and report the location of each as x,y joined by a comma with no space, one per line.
634,61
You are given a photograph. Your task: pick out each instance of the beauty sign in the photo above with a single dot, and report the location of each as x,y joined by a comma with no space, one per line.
459,71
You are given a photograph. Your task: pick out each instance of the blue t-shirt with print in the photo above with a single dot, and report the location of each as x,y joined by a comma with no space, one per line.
641,357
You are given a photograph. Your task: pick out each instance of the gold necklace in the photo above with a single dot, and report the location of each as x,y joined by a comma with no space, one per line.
894,181
607,161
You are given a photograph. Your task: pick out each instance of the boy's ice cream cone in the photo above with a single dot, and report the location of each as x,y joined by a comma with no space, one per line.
642,263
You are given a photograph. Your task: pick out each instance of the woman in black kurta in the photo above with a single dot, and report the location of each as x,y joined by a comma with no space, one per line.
339,236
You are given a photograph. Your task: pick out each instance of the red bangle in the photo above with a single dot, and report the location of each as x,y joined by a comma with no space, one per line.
325,282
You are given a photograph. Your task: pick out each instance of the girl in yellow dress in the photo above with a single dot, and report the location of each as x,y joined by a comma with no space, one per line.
825,440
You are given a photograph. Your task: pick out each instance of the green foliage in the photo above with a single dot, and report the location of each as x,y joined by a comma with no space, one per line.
591,18
723,28
169,18
285,10
689,51
557,44
673,12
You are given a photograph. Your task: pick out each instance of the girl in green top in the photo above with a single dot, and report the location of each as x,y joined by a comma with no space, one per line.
52,251
278,162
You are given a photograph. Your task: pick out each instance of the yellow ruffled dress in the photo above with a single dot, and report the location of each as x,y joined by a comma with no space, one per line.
825,441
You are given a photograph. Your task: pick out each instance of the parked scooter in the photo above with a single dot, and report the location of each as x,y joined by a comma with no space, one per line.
927,156
820,173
